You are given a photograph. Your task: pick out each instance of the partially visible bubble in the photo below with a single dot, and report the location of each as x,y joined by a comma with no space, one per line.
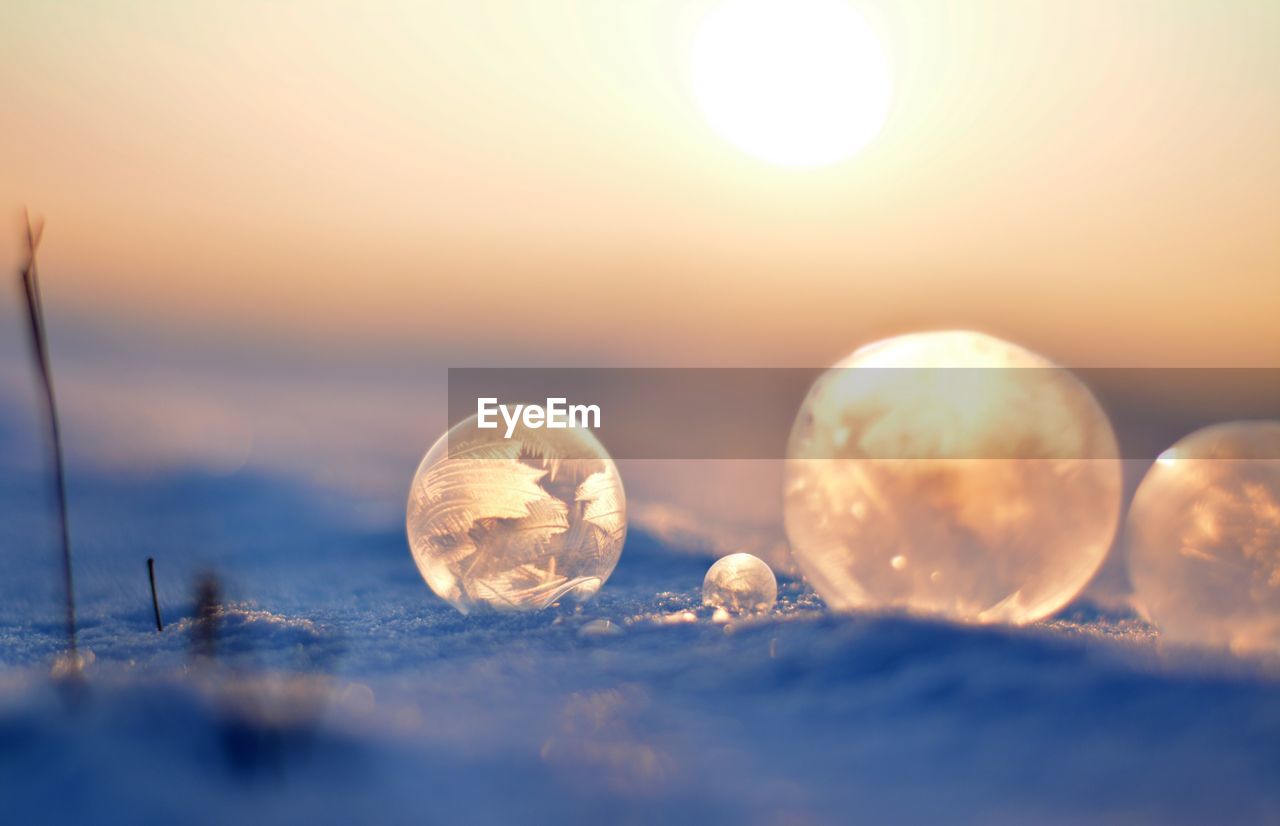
1203,539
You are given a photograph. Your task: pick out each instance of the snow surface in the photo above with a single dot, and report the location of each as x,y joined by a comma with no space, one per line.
343,691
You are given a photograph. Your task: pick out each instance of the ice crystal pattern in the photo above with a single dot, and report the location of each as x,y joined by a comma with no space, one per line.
516,524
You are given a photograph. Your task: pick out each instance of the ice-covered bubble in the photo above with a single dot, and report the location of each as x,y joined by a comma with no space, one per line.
984,494
740,584
1203,539
516,524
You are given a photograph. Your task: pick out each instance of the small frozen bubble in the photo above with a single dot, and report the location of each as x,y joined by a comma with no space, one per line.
740,584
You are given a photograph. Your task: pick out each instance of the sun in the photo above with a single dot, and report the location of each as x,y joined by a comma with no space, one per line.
798,83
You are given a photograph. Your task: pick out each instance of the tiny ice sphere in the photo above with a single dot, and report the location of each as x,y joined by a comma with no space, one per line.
740,584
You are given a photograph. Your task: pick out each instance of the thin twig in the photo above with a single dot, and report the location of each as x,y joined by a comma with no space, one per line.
155,601
40,349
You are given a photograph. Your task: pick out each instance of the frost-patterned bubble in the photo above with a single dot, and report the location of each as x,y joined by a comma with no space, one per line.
1203,539
953,474
740,584
516,524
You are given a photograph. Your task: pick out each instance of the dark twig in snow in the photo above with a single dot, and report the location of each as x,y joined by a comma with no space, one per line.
40,351
155,600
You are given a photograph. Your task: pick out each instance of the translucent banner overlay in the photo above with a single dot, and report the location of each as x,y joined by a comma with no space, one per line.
869,413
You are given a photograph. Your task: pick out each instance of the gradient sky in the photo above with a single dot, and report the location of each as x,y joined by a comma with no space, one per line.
530,182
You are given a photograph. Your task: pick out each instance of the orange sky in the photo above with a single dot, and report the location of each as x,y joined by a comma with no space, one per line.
515,182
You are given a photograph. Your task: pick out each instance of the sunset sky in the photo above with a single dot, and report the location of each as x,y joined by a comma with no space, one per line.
500,182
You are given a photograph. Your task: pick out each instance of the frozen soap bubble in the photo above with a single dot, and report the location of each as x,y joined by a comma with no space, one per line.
1203,539
988,494
740,584
516,524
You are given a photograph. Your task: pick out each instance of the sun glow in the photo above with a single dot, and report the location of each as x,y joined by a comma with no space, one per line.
794,82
